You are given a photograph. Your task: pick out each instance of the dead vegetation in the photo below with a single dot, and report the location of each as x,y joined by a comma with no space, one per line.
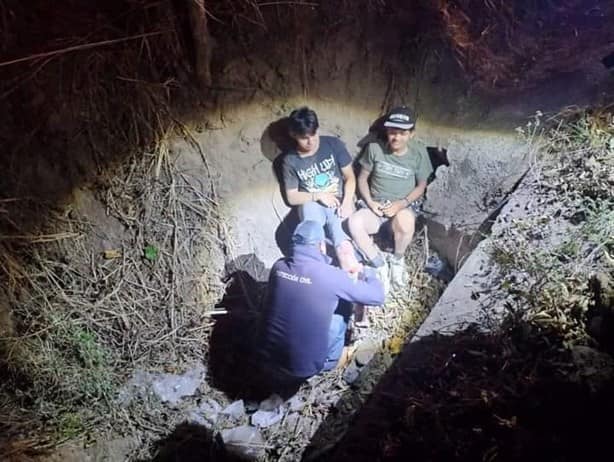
317,416
515,45
84,320
90,90
102,104
87,88
536,386
98,91
566,232
476,396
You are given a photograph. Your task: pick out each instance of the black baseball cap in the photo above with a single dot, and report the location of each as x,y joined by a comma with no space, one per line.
400,117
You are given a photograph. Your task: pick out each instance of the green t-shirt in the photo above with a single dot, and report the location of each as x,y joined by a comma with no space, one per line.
394,177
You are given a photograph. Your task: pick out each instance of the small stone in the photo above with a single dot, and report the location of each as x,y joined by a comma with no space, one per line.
296,404
271,403
264,419
170,388
235,410
244,441
351,373
196,418
137,387
365,352
208,410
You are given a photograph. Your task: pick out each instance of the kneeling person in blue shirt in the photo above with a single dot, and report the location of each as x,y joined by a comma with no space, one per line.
308,304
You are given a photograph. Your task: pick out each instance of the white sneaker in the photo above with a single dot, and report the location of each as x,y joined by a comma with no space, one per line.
383,275
398,273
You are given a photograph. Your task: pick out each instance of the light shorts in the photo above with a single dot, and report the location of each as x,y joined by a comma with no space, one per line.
415,207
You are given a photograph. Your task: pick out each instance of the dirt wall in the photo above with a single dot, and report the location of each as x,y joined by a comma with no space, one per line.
350,69
478,131
482,167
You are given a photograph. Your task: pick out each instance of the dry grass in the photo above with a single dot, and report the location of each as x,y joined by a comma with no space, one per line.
519,390
87,90
511,45
91,98
82,323
85,323
91,90
547,256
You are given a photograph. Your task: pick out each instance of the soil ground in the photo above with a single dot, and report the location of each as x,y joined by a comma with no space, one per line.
125,215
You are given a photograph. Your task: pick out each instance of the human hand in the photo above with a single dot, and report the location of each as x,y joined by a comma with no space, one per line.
376,208
345,210
327,199
356,271
392,208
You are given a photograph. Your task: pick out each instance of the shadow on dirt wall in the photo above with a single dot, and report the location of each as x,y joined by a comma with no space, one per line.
234,333
274,142
71,116
234,367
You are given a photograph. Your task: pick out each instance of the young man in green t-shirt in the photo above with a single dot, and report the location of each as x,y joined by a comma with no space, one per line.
392,181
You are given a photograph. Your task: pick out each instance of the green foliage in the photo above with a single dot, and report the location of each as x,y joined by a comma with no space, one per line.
599,226
70,425
59,369
151,252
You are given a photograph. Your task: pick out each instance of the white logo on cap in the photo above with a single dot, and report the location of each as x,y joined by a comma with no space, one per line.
400,116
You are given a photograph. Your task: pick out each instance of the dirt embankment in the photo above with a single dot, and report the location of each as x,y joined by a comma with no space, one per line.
535,383
125,187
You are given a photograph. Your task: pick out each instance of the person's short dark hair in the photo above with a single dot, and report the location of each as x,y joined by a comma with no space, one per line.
400,117
303,121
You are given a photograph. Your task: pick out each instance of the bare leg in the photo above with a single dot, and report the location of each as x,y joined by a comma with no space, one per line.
347,257
403,225
363,224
